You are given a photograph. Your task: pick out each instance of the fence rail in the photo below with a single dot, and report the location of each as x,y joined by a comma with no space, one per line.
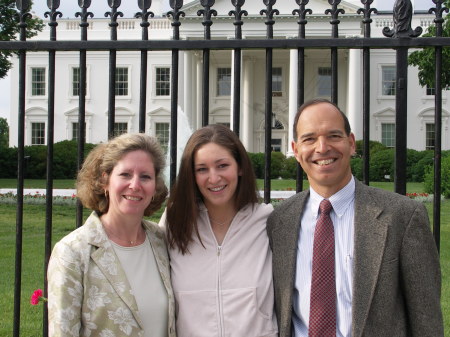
399,36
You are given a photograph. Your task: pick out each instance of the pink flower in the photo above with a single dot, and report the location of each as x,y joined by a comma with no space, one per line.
37,297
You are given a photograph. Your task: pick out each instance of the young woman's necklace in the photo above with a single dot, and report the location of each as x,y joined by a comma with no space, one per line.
220,223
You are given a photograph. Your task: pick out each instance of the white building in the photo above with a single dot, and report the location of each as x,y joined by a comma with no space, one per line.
317,83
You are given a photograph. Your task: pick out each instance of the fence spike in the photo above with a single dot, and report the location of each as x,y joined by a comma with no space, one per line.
23,5
403,11
237,3
176,4
53,4
114,3
144,4
84,3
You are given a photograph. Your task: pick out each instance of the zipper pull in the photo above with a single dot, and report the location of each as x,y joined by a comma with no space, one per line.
219,248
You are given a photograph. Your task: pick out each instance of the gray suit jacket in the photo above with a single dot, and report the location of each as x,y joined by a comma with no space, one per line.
396,273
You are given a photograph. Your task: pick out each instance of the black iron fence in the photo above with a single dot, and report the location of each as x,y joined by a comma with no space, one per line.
401,38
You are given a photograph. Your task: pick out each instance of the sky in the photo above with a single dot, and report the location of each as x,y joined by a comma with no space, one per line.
129,7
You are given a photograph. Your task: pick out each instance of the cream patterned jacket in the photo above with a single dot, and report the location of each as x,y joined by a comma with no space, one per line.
88,292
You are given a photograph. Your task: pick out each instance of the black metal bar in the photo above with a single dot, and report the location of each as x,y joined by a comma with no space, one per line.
237,12
23,7
144,15
366,115
301,12
269,12
53,14
207,13
237,91
437,148
114,14
205,87
439,10
84,15
351,42
334,12
401,111
402,31
367,11
175,14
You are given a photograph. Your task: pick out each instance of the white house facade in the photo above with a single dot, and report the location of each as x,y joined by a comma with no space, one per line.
284,89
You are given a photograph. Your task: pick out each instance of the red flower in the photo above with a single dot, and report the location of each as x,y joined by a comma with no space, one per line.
37,297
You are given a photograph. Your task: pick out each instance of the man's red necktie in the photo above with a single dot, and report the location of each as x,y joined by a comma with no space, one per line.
322,314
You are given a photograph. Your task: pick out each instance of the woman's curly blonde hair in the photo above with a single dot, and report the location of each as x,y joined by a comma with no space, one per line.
94,174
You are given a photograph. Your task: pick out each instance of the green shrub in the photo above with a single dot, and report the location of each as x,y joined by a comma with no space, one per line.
416,170
257,160
8,162
35,160
276,164
65,158
357,167
289,170
35,164
374,147
445,178
382,165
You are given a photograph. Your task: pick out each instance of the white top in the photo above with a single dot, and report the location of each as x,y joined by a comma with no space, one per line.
226,290
151,296
342,216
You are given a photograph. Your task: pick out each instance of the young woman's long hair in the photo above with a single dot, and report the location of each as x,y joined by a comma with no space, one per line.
182,206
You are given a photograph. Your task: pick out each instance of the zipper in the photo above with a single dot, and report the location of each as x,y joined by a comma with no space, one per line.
219,292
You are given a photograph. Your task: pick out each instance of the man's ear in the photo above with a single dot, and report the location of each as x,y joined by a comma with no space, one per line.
294,149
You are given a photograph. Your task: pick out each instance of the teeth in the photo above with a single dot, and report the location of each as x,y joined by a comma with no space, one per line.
325,162
217,189
132,198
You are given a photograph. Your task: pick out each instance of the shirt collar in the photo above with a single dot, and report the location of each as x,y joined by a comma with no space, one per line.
340,200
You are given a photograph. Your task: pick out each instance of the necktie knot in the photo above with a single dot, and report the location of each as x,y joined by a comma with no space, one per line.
325,206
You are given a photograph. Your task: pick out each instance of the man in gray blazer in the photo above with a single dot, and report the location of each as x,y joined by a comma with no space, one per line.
387,272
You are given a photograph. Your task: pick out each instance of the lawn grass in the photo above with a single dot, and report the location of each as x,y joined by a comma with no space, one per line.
38,183
275,184
64,222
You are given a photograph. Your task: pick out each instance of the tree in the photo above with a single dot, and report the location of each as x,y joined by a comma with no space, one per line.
4,133
9,29
424,59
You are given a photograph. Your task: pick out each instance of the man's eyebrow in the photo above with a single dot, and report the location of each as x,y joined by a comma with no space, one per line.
306,135
331,132
340,132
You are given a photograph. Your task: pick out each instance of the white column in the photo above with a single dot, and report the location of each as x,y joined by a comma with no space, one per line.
354,92
247,108
293,103
188,87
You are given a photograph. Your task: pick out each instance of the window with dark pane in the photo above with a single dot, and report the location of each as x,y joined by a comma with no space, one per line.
121,81
223,81
162,81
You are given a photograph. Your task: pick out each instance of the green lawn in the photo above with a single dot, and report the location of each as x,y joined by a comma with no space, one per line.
38,183
64,222
275,184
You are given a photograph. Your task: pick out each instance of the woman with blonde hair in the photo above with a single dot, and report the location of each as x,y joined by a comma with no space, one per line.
111,276
221,263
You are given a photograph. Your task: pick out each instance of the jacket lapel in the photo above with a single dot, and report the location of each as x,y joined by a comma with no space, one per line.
285,239
370,239
109,264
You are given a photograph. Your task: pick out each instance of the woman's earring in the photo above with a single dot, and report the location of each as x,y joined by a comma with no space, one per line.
106,194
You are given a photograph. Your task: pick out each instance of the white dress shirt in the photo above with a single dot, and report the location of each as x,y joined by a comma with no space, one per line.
342,216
